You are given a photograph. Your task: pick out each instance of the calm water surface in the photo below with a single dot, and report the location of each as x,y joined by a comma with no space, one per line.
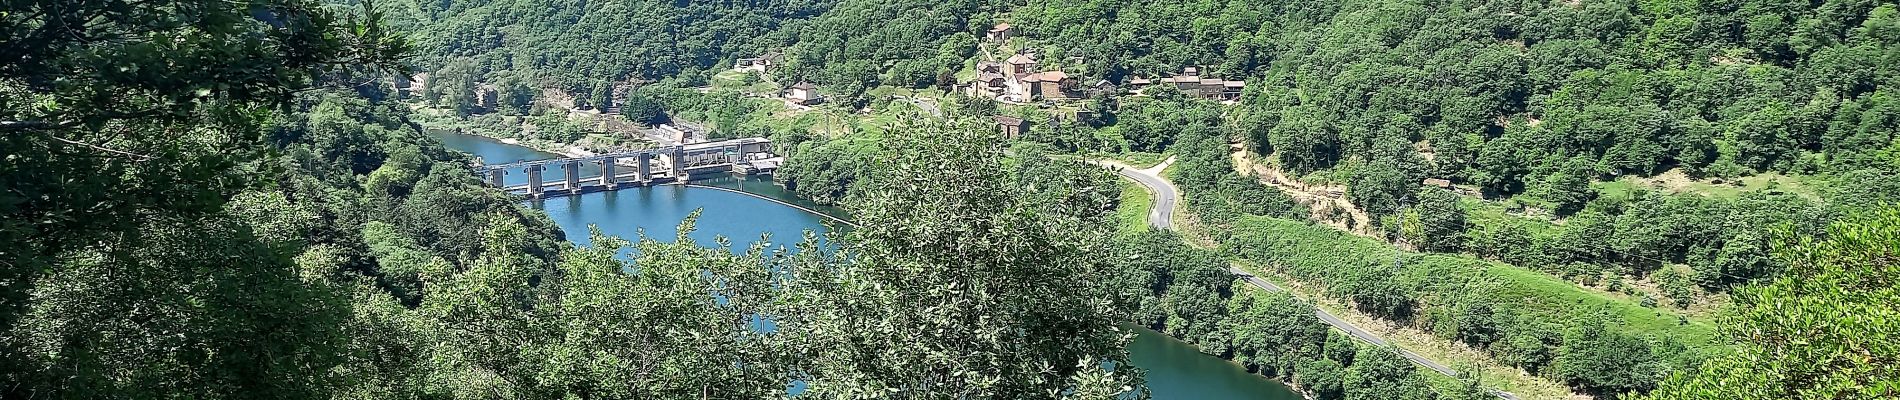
1175,370
1178,371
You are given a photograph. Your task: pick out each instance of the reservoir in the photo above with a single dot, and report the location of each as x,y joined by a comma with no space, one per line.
1175,370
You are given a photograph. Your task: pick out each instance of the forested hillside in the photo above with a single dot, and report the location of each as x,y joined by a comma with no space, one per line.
587,48
1647,154
1502,93
1671,199
1590,114
1516,98
1794,334
215,201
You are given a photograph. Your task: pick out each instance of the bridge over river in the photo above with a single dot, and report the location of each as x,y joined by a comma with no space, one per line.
645,167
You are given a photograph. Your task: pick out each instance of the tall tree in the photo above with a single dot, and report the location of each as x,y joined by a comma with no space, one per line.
1381,188
1603,361
678,321
1818,332
994,295
1381,373
1437,223
127,125
1568,189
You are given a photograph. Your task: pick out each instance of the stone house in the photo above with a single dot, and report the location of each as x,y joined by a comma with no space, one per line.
1189,81
1230,90
804,93
410,86
1019,65
1051,85
762,64
1011,127
1001,32
1100,87
990,67
990,83
1139,83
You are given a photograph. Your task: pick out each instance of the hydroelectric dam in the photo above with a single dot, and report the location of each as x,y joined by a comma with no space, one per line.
645,167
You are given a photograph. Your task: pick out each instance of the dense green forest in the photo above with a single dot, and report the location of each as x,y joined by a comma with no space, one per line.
1515,97
229,200
1594,343
1811,334
590,49
176,235
1504,93
1539,107
586,48
1539,104
1547,110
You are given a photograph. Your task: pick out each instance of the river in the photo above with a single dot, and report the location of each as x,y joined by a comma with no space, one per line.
1175,370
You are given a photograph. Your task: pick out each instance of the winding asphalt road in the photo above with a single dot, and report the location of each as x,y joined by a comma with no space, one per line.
1161,216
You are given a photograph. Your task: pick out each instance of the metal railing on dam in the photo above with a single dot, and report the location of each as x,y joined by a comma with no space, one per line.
649,167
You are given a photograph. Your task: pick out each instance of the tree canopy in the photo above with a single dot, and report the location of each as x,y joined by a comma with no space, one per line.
1822,331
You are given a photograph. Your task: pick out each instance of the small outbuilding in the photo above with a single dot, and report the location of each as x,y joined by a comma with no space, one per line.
990,80
989,66
1139,83
1230,90
804,93
1011,127
1001,32
761,64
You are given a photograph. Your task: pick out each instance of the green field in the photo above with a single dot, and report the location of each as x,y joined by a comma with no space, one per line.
735,79
1328,258
1132,214
1557,298
1675,182
1139,159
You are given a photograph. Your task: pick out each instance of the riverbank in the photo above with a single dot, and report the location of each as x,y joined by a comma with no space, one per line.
1176,370
780,202
1208,377
1224,370
1166,195
565,150
1134,217
519,131
1198,375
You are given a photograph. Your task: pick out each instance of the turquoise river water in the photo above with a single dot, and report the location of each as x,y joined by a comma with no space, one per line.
1175,370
